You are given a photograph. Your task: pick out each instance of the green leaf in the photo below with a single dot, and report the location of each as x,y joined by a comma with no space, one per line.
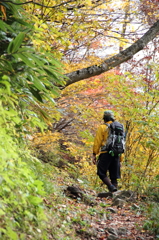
54,62
37,83
40,63
7,85
2,212
15,44
24,23
51,72
4,26
55,91
5,65
36,94
34,200
24,59
11,234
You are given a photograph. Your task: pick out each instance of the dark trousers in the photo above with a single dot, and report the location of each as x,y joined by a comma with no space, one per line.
108,163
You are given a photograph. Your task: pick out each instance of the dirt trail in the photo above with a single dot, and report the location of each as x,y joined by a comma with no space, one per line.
124,223
112,218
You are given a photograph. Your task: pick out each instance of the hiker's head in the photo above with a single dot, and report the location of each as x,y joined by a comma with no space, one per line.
108,116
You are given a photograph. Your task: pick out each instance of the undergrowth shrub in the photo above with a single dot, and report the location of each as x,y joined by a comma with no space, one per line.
152,209
152,190
152,222
21,204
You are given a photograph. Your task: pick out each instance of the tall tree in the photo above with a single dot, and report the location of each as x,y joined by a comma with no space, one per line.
73,27
27,75
116,60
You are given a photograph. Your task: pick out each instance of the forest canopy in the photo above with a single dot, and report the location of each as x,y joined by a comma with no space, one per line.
62,63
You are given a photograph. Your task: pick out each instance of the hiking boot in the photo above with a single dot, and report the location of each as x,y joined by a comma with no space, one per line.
115,185
112,188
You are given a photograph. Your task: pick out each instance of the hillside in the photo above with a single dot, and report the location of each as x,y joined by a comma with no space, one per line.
52,99
77,211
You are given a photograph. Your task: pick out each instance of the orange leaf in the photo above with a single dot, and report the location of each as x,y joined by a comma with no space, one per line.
3,10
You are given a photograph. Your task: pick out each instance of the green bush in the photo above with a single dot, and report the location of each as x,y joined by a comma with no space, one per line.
152,222
152,208
21,203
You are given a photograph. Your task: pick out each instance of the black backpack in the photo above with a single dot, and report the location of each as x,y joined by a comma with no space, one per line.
115,143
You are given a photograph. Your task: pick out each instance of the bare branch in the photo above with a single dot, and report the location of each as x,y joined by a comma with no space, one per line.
55,6
39,4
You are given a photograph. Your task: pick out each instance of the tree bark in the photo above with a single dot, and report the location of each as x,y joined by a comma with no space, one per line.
116,60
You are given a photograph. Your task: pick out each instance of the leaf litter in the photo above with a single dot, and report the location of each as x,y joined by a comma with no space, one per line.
102,221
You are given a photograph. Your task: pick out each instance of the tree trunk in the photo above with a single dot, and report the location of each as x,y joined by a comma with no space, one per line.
116,60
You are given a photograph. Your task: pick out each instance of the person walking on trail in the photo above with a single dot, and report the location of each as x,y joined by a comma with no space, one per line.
106,162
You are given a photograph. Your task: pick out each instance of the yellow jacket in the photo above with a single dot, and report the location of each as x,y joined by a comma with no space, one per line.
100,139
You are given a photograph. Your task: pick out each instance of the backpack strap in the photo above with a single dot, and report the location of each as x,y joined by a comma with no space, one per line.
108,125
111,127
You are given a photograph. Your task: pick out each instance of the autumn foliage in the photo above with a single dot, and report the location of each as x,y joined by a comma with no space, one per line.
47,129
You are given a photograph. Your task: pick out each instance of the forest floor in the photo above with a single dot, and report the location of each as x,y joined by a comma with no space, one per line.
123,223
98,218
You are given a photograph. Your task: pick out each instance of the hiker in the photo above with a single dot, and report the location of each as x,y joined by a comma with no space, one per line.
106,162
